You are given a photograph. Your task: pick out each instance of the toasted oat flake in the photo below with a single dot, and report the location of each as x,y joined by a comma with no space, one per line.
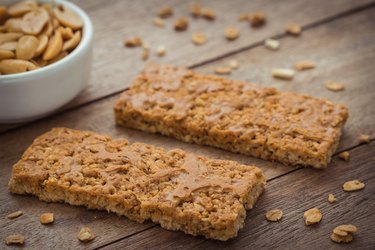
15,214
354,185
195,10
341,239
223,70
86,234
47,218
209,14
199,38
344,156
363,138
161,51
287,74
294,29
181,24
257,19
312,216
14,239
303,65
133,42
331,198
231,33
272,44
274,215
158,22
165,12
234,64
334,86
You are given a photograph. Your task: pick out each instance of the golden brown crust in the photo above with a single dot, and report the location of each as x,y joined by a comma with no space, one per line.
232,115
178,190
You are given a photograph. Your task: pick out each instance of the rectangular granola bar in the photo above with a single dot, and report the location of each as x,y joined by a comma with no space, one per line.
180,191
237,116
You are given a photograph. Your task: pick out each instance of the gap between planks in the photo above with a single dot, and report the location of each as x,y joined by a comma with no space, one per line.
268,181
312,25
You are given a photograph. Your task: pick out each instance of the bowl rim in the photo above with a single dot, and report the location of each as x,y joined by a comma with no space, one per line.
87,37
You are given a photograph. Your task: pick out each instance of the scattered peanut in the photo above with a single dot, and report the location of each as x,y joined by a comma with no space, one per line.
85,234
363,138
303,65
158,22
331,198
208,14
231,33
312,216
165,12
294,29
274,215
334,86
287,74
47,218
133,42
244,17
344,156
343,233
15,215
257,19
223,70
199,38
161,51
146,52
181,24
354,185
272,44
195,10
14,239
234,64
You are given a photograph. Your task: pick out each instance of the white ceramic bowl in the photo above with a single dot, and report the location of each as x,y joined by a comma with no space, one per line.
33,94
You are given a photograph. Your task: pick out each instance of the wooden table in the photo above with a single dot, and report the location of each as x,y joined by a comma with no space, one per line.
338,35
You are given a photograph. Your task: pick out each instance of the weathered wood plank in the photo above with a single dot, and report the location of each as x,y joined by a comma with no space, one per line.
114,66
294,194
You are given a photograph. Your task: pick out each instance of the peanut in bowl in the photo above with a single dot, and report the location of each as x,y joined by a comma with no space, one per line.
36,81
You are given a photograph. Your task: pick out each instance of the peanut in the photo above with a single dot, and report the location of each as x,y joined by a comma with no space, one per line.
21,8
60,56
9,46
73,42
54,46
8,37
6,54
11,66
26,47
68,18
13,25
43,42
33,22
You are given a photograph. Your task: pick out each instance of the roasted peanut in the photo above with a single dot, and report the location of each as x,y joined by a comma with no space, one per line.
33,22
22,8
6,54
68,18
11,66
13,25
66,33
73,42
54,46
26,47
9,46
8,37
42,45
60,56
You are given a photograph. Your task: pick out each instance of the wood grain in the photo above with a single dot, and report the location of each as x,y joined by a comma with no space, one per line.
293,194
114,66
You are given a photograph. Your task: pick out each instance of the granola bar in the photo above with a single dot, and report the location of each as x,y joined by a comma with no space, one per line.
178,190
237,116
